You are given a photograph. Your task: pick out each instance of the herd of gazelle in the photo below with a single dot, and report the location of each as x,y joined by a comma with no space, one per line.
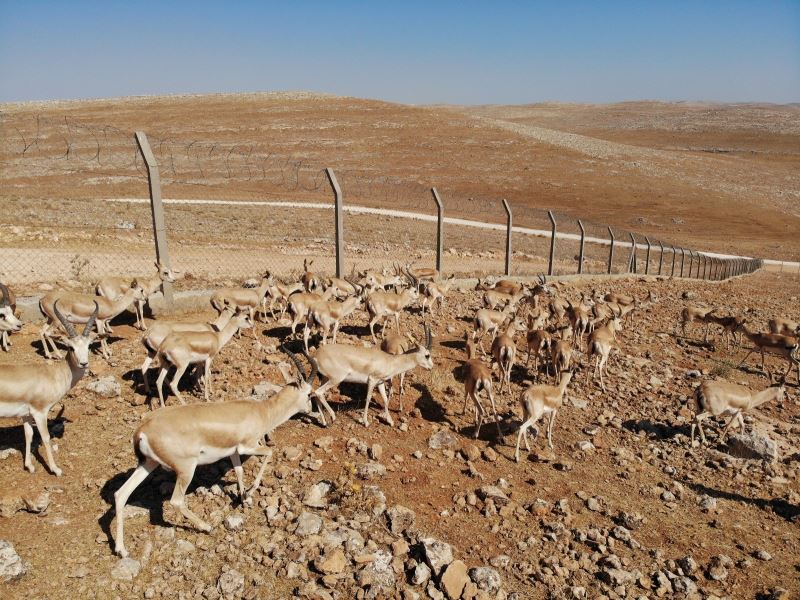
184,436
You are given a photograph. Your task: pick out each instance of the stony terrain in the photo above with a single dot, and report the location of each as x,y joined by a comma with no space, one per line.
623,507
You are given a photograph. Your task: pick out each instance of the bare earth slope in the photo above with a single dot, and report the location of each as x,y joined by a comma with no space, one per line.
722,178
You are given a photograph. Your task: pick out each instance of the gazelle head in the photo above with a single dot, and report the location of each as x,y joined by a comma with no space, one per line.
304,382
8,320
242,319
422,352
78,345
166,273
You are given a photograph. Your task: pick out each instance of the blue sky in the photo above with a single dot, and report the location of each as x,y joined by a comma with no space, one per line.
407,51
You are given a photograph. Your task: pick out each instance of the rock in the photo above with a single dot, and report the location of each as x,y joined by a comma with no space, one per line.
778,594
107,387
315,496
707,503
471,453
370,471
400,519
324,442
420,574
718,567
39,504
688,565
684,585
752,445
489,455
594,504
308,524
688,294
234,522
584,446
621,533
185,546
292,453
380,573
11,565
125,225
437,554
231,584
693,374
763,555
616,577
9,452
454,579
376,452
442,439
501,561
656,382
126,569
487,579
494,493
312,464
331,563
9,505
264,390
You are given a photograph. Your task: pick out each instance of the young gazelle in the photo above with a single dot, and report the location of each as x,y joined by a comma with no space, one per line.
784,346
560,357
435,292
30,390
477,377
579,319
714,398
695,314
185,348
325,314
355,364
537,401
384,305
310,281
487,320
114,287
179,438
730,327
537,341
396,344
160,330
601,341
78,308
9,323
504,351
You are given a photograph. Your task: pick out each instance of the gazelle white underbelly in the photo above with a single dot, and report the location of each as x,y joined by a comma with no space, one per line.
208,455
14,409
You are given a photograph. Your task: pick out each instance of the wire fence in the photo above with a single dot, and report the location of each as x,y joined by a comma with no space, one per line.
234,209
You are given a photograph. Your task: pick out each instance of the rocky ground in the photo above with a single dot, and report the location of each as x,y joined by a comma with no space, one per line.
623,507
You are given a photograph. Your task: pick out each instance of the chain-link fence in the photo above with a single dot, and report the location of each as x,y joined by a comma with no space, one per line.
233,210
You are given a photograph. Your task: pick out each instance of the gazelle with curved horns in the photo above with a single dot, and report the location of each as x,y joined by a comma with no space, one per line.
30,390
714,398
355,364
114,287
79,308
179,438
9,323
185,348
310,281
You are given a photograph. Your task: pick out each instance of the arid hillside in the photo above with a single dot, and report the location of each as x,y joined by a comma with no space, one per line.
714,177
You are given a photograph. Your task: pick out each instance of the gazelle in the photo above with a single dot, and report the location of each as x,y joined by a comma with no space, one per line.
374,280
114,287
560,357
310,281
493,299
537,341
179,438
579,319
477,377
424,274
784,346
730,327
397,344
250,299
30,390
487,320
714,398
600,343
504,286
9,323
504,351
537,401
79,308
181,349
300,304
435,292
784,326
344,288
279,293
326,314
355,364
384,305
160,330
695,314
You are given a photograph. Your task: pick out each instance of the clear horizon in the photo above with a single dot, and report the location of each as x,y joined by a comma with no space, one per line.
444,53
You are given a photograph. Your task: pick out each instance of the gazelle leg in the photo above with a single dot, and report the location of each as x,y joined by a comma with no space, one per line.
550,429
184,474
522,430
370,387
27,427
121,498
258,451
733,418
173,385
40,419
382,390
490,393
236,461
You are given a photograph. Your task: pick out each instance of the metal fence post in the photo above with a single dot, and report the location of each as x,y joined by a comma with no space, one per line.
508,235
611,251
672,274
647,257
157,210
661,258
339,221
439,229
580,253
683,259
552,242
632,259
